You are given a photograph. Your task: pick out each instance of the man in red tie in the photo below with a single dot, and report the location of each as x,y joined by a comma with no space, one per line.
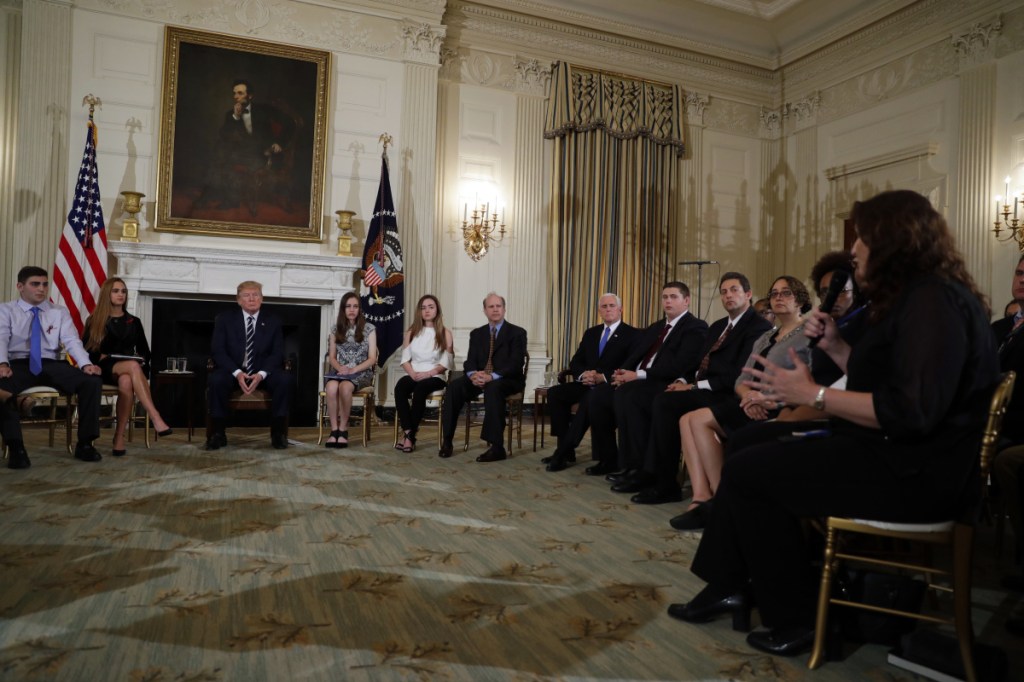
32,331
493,367
667,349
725,350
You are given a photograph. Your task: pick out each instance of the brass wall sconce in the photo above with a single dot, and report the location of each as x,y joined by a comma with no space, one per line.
130,225
1013,225
480,231
345,238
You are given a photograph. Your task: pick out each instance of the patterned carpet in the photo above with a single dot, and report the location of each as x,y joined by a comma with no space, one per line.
360,564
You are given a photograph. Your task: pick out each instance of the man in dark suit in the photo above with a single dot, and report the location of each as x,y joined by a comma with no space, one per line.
603,350
494,367
726,348
667,349
248,350
252,136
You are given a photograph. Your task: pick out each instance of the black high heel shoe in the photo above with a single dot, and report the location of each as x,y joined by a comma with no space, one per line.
118,453
711,603
398,445
166,432
411,437
335,435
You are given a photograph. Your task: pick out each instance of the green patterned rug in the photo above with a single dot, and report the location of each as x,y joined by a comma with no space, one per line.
360,564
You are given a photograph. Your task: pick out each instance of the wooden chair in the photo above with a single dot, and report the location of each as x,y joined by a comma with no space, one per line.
540,402
956,534
260,399
369,398
51,419
434,399
513,413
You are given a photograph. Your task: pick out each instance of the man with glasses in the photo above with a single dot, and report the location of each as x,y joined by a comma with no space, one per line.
32,331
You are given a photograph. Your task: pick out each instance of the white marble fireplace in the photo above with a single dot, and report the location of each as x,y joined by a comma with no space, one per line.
163,271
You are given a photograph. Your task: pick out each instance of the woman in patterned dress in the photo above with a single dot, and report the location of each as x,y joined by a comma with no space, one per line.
352,353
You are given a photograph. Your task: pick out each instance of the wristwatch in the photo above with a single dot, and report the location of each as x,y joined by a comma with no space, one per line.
819,401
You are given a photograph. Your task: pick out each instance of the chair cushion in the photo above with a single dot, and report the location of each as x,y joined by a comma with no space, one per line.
938,527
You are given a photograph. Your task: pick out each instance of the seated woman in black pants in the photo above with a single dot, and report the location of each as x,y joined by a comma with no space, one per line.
904,435
426,355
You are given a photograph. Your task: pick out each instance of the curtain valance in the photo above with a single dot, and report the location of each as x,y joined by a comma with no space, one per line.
625,108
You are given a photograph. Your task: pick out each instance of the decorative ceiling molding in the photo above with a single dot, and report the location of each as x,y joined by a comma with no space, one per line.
976,45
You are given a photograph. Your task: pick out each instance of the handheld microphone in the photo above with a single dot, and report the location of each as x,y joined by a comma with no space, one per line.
698,262
835,289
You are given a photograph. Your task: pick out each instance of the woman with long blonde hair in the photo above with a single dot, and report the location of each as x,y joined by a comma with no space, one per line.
117,344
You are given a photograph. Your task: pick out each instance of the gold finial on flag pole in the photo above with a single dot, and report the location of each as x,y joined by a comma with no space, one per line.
386,140
93,101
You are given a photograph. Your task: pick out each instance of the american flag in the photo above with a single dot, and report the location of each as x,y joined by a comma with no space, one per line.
81,266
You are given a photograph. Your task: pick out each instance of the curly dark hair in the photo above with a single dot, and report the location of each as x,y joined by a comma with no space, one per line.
907,238
800,293
830,262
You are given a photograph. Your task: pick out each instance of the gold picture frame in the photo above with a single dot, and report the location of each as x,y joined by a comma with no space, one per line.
242,137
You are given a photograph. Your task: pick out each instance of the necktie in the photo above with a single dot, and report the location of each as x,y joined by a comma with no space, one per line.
706,360
489,367
250,332
35,353
604,340
655,347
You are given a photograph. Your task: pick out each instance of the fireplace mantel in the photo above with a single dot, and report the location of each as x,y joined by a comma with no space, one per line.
158,271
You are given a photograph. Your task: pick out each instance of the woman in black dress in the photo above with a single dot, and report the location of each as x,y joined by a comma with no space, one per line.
117,344
903,439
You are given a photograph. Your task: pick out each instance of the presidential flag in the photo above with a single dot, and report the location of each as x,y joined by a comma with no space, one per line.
81,265
383,300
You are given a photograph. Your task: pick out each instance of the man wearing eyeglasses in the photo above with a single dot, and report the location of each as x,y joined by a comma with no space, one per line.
32,331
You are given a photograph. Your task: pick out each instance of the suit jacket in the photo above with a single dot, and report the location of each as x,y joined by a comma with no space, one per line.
1011,356
509,351
618,347
679,355
727,361
228,345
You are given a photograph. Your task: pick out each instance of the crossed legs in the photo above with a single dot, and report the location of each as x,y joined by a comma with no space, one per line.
703,452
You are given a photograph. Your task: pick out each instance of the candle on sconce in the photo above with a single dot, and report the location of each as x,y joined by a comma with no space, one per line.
1006,190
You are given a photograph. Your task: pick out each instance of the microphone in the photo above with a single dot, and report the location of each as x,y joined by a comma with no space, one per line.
835,288
698,262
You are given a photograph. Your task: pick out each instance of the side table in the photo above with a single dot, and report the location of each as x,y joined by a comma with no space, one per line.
166,378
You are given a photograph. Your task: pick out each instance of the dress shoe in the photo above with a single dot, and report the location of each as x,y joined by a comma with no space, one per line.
599,469
557,463
790,640
711,603
569,458
657,496
695,519
118,453
634,484
166,432
493,454
216,441
279,441
620,476
445,450
17,456
87,453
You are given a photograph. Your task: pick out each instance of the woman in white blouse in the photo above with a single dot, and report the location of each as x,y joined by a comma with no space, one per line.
426,356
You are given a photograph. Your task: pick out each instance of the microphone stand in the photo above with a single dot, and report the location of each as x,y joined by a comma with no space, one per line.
700,279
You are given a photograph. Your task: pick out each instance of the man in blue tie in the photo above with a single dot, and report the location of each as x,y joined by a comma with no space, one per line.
32,331
248,350
603,350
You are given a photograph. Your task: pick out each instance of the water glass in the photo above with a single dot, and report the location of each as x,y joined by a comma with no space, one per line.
182,364
172,364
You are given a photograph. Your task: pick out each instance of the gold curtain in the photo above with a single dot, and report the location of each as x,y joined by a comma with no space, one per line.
618,145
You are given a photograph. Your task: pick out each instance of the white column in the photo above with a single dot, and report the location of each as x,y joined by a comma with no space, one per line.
974,172
41,167
10,67
528,265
